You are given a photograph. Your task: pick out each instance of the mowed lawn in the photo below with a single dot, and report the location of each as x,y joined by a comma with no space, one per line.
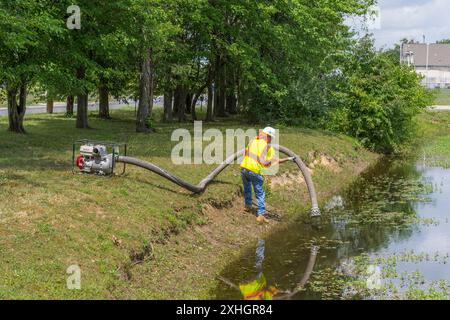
436,124
51,219
442,97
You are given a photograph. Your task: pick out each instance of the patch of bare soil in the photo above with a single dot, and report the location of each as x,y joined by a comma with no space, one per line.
291,180
324,160
287,179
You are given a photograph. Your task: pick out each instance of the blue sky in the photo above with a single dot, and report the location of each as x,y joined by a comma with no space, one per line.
412,19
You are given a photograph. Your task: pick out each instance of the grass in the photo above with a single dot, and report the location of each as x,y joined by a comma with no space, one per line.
435,137
441,146
442,96
51,219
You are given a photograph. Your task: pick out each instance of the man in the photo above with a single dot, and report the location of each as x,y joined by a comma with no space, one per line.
259,156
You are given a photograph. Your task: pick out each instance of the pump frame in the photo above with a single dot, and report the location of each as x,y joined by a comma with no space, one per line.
108,144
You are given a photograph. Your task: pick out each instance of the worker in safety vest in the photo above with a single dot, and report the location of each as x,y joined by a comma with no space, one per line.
259,155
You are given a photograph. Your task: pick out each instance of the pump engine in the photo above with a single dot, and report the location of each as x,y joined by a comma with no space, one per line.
95,158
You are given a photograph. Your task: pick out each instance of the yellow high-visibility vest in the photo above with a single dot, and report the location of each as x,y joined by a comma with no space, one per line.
257,290
258,156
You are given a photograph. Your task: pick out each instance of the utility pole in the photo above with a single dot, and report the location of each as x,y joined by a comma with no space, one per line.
428,56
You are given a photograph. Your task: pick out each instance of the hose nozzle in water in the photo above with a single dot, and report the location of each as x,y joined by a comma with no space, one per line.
315,212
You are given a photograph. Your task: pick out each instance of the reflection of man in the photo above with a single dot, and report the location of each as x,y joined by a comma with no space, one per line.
258,289
259,155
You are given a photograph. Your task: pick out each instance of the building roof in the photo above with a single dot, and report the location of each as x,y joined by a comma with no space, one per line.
438,54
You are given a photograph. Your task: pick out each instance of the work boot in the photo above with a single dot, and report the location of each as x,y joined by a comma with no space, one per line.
247,209
262,219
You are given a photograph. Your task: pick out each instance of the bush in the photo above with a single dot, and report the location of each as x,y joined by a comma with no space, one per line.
357,91
377,100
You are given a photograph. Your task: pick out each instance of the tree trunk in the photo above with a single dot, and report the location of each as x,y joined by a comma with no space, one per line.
194,101
182,106
219,107
16,111
231,103
103,93
177,98
82,104
145,93
82,111
180,102
69,106
216,86
241,96
168,99
50,104
188,103
209,108
193,109
222,91
152,83
231,100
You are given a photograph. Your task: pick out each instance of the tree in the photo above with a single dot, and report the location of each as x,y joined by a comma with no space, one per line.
90,59
376,99
151,39
267,59
26,29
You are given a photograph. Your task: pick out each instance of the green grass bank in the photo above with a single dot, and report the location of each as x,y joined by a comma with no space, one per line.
139,236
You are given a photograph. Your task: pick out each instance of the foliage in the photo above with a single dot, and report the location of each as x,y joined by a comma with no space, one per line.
376,99
289,52
25,25
2,96
292,62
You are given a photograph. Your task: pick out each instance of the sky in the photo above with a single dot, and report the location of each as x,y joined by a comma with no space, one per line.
411,19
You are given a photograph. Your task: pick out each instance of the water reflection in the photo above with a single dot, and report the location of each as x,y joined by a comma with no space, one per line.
257,287
380,214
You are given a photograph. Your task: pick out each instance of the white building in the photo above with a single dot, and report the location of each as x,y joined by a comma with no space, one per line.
430,60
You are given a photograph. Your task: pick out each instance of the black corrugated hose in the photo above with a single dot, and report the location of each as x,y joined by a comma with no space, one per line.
315,211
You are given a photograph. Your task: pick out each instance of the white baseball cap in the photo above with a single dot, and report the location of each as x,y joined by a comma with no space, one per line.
270,131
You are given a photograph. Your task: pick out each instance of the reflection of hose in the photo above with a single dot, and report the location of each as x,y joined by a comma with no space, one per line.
202,185
286,295
309,269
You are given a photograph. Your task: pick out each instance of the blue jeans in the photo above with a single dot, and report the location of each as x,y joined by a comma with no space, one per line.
250,179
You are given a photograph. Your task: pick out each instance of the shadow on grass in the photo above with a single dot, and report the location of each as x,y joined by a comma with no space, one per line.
8,178
169,189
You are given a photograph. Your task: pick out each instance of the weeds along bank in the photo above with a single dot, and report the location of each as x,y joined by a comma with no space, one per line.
138,236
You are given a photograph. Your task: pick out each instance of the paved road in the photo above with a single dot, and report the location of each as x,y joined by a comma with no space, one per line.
440,107
61,107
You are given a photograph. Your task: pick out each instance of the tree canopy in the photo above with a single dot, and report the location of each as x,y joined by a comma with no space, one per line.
270,60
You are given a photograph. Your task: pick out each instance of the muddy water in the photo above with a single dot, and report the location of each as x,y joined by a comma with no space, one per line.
386,236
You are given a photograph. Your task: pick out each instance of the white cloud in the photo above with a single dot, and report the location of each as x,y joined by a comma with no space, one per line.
413,19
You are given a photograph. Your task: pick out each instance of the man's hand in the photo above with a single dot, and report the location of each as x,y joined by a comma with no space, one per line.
286,160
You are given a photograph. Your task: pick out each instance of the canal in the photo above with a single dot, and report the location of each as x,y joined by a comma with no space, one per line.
385,237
